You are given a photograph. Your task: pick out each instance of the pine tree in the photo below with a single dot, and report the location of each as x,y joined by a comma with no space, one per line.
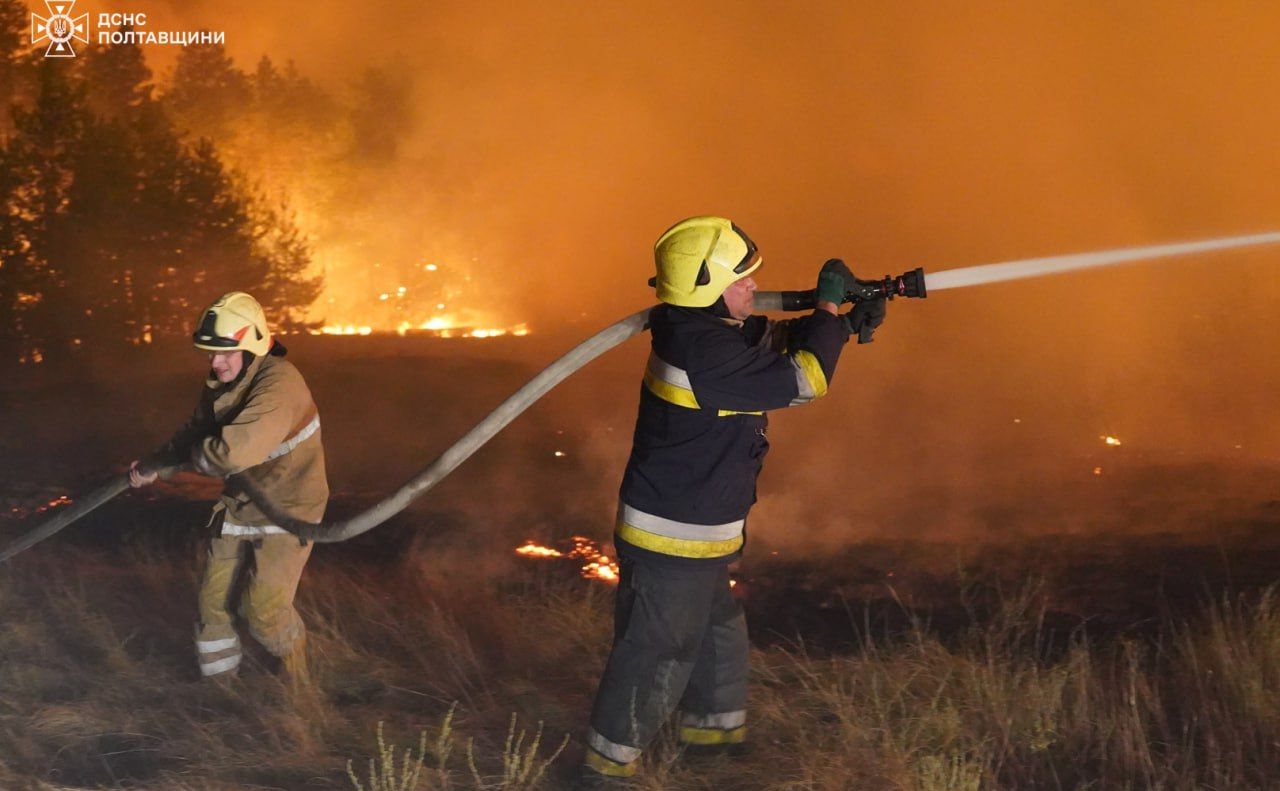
119,81
207,93
15,69
37,178
116,228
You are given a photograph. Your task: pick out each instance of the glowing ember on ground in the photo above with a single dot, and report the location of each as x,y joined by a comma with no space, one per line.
596,565
1097,470
441,327
1110,440
57,502
536,550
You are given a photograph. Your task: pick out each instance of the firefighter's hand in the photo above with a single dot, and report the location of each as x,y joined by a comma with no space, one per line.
834,279
140,475
865,317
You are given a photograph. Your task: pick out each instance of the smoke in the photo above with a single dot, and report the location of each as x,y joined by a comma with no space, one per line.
545,146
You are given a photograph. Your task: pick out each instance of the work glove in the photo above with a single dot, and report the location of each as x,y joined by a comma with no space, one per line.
865,317
834,279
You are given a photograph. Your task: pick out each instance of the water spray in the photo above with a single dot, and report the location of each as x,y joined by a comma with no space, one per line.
912,284
1057,264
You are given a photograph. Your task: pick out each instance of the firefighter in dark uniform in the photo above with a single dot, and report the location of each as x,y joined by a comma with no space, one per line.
715,370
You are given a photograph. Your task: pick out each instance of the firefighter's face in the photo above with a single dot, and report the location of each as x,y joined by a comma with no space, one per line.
740,298
226,365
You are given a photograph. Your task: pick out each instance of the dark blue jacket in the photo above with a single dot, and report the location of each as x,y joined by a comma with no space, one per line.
700,435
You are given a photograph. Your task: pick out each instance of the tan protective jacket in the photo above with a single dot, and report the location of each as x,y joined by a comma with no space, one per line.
261,433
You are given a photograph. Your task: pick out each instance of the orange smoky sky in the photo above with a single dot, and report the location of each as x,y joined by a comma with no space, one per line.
553,141
567,135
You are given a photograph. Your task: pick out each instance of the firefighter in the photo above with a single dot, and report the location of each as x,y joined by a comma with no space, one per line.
715,370
256,426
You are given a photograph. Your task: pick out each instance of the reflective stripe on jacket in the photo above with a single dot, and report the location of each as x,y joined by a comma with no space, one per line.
263,428
700,434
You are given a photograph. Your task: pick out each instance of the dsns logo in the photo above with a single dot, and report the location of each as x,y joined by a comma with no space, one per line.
59,29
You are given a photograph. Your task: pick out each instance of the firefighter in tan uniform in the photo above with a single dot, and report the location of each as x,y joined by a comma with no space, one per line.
257,427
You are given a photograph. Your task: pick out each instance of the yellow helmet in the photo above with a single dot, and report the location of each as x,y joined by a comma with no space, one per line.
699,258
234,321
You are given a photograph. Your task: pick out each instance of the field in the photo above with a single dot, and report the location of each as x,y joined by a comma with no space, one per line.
1101,631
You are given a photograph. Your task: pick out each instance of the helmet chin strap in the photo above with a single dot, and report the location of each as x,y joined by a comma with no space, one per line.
719,309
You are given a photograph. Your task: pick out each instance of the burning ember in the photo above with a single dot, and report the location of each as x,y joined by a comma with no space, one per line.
1110,440
19,512
595,564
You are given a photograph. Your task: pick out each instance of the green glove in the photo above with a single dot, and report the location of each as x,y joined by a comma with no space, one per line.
833,281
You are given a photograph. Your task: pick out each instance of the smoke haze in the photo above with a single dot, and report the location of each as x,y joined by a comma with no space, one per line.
544,146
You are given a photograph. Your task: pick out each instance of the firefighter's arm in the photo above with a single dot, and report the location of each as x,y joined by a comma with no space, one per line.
246,441
731,374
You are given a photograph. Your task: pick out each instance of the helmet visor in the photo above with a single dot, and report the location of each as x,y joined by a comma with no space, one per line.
207,334
753,253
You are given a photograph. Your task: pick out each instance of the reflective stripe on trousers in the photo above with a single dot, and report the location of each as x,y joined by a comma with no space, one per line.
680,641
267,601
218,655
728,727
610,758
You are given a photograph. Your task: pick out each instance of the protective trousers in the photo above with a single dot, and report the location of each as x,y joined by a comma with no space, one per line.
680,640
273,564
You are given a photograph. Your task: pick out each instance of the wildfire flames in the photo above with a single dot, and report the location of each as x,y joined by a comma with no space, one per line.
439,327
595,564
388,313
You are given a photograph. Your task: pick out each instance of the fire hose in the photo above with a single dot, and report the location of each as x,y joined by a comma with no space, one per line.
910,284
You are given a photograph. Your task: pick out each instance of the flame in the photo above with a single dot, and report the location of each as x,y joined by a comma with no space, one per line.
400,308
596,564
538,551
56,502
19,512
1110,440
343,329
439,326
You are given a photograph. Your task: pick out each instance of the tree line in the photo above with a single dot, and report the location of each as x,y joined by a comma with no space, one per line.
120,217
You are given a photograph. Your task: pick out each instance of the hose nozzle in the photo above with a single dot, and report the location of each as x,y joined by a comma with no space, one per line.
908,284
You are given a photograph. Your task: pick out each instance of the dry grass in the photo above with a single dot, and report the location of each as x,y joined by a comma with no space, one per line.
487,673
